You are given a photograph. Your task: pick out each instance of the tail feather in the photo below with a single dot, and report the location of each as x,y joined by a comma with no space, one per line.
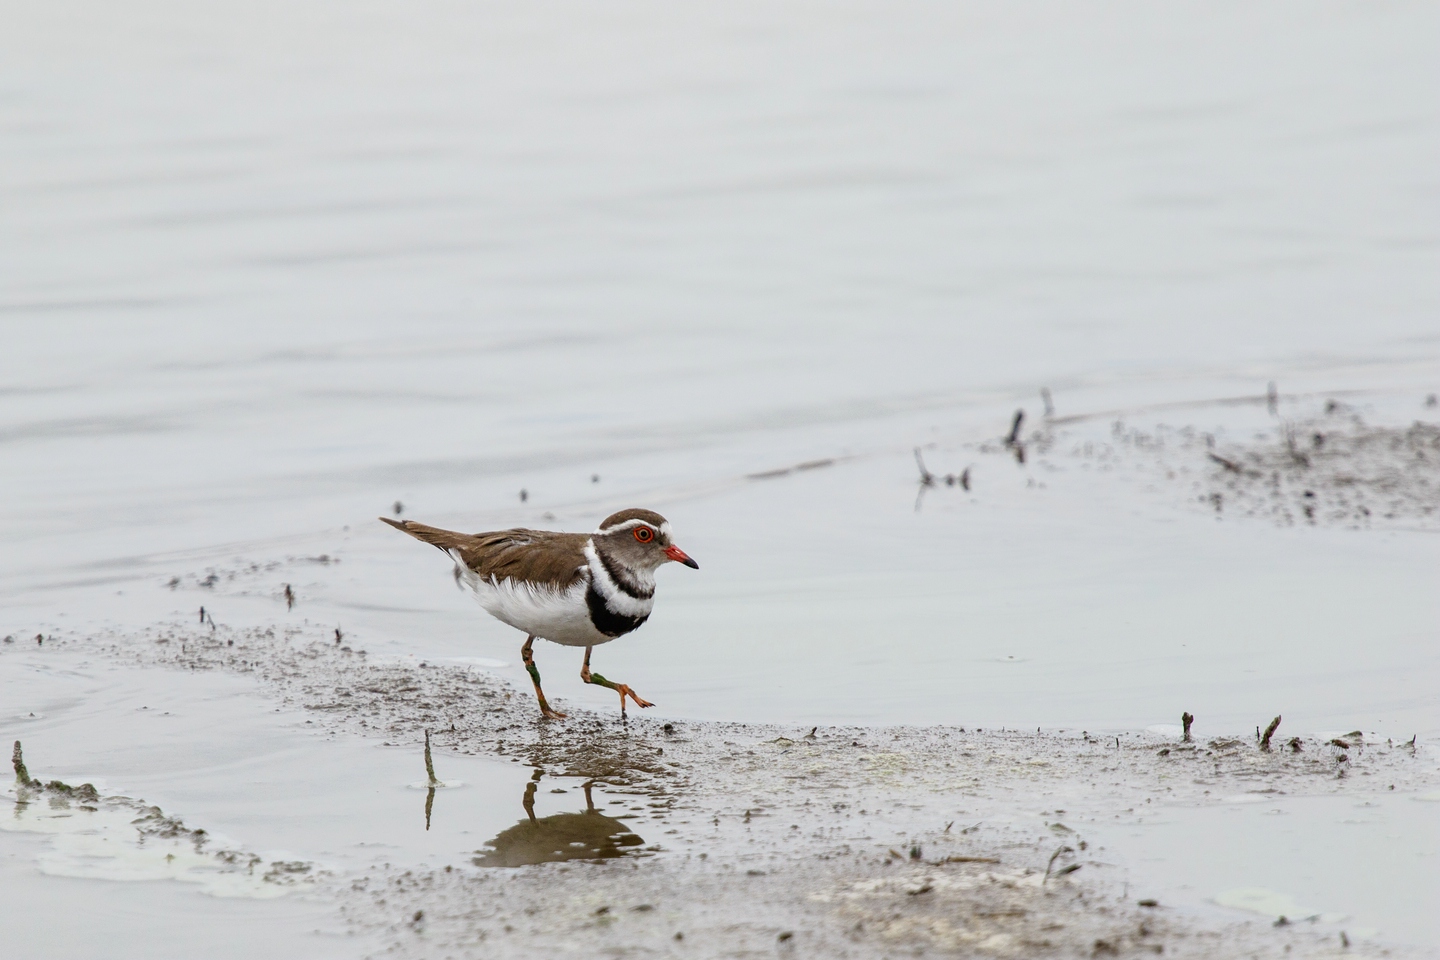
442,540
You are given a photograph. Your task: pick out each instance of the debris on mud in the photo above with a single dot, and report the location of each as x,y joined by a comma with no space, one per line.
1328,467
1334,470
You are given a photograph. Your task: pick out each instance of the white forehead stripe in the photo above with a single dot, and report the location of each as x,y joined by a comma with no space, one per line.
664,528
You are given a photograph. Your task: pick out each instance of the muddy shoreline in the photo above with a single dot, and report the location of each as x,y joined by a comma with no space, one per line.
756,838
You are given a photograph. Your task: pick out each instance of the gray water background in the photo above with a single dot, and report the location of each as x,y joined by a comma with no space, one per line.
267,268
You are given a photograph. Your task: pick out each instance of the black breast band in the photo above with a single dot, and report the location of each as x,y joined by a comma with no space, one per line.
607,621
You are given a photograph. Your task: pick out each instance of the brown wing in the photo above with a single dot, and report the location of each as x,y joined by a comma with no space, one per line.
538,556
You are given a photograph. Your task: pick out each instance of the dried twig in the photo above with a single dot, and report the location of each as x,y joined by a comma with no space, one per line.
1014,435
1269,732
1230,465
22,776
1186,719
1053,857
1013,443
429,764
927,479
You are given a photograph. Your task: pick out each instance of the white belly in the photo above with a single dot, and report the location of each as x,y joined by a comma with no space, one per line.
559,616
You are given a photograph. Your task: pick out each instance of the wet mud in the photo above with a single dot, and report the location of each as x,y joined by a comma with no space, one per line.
742,839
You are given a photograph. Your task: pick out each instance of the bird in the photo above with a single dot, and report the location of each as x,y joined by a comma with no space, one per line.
574,589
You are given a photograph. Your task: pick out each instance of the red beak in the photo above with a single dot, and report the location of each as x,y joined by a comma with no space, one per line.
680,556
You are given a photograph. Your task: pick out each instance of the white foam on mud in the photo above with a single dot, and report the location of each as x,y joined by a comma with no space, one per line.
1266,902
489,663
102,843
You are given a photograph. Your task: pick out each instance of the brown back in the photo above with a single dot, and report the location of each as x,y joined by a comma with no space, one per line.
535,556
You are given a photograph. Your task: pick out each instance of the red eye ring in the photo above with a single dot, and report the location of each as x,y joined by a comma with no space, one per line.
644,534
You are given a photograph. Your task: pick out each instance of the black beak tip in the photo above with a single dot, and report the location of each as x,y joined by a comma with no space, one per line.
690,563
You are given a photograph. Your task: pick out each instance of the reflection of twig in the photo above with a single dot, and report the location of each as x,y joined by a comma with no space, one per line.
1049,403
927,479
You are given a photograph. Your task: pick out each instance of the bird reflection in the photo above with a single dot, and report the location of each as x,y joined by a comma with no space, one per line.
565,836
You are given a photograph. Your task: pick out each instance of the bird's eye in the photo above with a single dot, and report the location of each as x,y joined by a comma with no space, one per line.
644,534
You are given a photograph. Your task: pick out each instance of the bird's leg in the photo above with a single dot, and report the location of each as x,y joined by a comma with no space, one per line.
535,679
589,800
620,688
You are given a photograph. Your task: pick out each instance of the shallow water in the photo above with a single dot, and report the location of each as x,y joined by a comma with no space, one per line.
463,254
470,254
270,270
1085,600
1363,865
259,780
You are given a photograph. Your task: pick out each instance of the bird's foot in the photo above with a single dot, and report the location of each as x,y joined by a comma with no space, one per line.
625,691
550,713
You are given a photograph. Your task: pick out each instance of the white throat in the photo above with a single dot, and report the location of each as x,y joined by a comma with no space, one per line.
615,596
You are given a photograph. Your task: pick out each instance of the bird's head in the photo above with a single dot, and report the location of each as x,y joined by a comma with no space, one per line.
640,539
